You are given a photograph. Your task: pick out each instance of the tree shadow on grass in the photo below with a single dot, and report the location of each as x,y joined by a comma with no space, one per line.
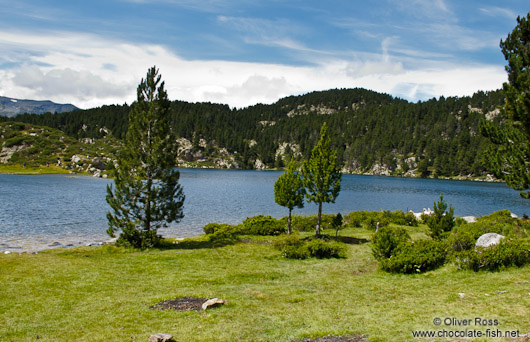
344,239
194,244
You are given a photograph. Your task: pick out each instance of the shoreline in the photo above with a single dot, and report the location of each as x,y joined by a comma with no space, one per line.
48,170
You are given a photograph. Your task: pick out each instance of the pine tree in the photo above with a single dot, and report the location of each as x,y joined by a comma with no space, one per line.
289,191
321,175
442,220
509,158
147,194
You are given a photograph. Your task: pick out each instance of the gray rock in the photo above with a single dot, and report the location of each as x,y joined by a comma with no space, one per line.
213,302
469,219
488,240
160,337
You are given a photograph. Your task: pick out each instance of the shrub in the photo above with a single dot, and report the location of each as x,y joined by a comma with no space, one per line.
421,256
507,253
224,232
292,247
387,240
463,238
324,249
210,228
263,225
308,223
296,252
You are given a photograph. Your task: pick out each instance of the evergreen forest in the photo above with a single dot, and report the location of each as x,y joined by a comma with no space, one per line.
373,133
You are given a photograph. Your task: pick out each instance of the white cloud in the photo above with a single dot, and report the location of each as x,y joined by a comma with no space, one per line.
89,71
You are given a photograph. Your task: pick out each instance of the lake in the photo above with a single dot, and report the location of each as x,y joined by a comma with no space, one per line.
43,211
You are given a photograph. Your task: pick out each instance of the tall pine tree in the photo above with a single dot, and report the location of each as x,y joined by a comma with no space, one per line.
147,193
321,175
509,158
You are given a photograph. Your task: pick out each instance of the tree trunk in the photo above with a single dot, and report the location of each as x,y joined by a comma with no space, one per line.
289,223
319,216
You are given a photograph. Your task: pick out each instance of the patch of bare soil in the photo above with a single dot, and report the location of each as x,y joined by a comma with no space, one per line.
329,338
180,304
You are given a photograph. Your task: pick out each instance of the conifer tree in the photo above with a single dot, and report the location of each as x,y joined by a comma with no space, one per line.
321,175
289,191
147,193
509,158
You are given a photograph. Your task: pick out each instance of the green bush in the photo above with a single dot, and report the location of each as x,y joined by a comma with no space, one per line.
263,225
296,252
387,240
421,256
324,249
292,247
463,238
224,232
371,218
507,253
210,228
308,223
221,232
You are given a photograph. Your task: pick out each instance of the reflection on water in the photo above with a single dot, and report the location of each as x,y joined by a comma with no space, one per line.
39,211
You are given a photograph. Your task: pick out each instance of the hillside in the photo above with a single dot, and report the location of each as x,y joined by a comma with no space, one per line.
10,107
373,133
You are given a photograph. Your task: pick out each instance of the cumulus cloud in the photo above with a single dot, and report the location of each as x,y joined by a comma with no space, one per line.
88,71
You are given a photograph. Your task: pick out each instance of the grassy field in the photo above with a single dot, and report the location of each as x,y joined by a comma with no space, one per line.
104,294
31,170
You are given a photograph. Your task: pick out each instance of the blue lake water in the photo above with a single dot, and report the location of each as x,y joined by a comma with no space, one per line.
43,211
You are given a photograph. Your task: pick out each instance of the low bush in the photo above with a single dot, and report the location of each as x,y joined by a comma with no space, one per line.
225,232
263,225
221,232
507,253
371,218
292,247
417,257
326,249
387,240
309,223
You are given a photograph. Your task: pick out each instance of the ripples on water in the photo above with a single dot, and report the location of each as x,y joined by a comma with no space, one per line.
39,211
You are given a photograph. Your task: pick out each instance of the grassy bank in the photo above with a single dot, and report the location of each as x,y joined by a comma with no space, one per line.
31,170
104,294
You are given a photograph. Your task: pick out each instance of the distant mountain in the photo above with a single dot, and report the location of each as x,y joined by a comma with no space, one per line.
10,107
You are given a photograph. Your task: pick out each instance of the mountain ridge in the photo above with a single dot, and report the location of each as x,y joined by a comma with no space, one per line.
10,107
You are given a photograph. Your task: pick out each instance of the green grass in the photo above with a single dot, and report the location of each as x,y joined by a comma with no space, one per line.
104,294
19,169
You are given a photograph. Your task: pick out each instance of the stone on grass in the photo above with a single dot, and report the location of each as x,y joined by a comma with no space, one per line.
213,302
160,337
488,240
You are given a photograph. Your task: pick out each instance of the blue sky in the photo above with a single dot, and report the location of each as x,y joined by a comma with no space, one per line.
243,52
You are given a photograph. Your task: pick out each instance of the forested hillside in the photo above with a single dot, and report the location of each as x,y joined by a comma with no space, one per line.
374,133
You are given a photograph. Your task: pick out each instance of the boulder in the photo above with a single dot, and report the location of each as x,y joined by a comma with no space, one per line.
213,302
160,337
488,240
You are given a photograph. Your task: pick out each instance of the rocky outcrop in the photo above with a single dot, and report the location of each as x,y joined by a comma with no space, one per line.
7,152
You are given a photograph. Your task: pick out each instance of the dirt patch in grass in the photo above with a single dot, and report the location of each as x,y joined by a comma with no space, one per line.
329,338
180,304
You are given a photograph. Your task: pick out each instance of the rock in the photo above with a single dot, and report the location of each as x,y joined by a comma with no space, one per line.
7,252
160,337
75,159
461,294
213,302
99,164
469,219
488,240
